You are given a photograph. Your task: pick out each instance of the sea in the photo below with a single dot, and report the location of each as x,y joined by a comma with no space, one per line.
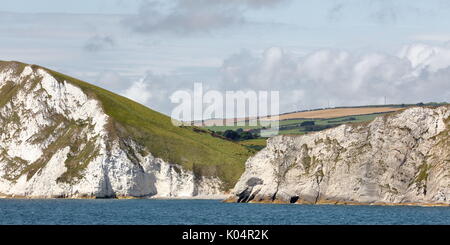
208,212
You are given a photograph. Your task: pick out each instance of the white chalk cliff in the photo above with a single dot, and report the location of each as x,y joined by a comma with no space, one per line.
402,158
54,142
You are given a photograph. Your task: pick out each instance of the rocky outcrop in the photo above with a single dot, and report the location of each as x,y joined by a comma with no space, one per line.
56,141
403,158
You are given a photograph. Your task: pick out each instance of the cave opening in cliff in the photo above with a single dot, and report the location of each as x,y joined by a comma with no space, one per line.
294,199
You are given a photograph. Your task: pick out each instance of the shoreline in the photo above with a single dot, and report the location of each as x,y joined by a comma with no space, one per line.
212,197
347,203
227,199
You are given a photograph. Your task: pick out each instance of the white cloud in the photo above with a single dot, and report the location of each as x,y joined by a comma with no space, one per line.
427,57
111,80
419,73
138,92
154,90
344,78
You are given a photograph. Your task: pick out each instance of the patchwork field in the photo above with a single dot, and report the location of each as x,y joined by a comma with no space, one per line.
338,112
313,114
290,122
247,131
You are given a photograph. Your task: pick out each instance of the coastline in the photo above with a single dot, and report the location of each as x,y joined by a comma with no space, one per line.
337,202
212,197
227,199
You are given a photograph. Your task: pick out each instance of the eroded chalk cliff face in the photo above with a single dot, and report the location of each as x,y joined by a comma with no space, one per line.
56,141
401,158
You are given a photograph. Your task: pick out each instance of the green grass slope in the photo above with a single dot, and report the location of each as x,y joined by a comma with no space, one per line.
191,147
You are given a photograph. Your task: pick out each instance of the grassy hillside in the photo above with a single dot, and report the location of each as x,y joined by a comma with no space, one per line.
257,144
194,148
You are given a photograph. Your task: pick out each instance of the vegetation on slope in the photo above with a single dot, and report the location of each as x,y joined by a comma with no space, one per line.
194,148
256,144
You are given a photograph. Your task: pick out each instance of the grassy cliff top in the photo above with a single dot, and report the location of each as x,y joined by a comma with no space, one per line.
191,147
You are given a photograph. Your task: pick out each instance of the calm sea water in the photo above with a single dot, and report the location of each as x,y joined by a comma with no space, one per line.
110,211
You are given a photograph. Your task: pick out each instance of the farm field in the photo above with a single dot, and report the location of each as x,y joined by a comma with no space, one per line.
289,124
298,123
292,127
338,112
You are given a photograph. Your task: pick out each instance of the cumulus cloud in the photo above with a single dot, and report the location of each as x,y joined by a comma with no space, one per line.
154,90
138,92
418,73
426,57
192,16
246,71
98,42
111,80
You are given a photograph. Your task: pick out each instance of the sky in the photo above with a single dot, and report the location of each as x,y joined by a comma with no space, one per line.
336,52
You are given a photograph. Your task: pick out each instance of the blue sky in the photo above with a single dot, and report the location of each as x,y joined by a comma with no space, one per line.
351,52
80,7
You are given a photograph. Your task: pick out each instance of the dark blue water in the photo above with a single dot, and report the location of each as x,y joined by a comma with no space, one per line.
111,211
